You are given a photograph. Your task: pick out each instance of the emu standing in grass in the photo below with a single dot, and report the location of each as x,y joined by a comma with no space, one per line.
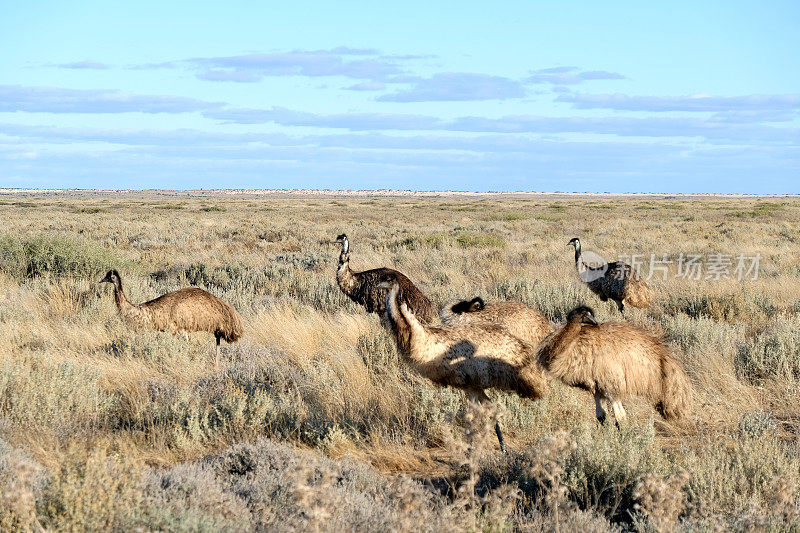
614,360
362,287
471,357
180,311
616,280
517,318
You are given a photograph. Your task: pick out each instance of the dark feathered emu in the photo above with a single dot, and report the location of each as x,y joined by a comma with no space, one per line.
180,311
616,281
362,287
614,360
471,357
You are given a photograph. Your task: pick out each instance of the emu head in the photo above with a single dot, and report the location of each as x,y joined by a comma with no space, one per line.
112,276
342,239
583,313
577,244
468,306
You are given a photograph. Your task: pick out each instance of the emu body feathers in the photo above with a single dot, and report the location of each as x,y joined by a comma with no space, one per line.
522,321
616,281
363,287
614,360
181,311
471,357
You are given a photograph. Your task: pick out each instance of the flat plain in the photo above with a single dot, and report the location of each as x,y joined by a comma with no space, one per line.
313,422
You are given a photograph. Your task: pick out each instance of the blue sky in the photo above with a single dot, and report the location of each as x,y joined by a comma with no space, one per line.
536,96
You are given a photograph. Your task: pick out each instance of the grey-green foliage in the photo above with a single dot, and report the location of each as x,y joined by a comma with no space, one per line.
733,475
266,486
54,255
603,470
599,473
772,354
35,392
307,279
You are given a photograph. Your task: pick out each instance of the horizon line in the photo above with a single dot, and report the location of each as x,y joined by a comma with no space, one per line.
372,192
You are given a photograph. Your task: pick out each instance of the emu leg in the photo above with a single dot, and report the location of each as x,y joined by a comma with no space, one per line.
619,412
186,336
500,437
216,355
599,412
481,397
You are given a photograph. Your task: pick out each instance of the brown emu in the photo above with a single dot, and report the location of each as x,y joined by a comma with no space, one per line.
362,287
472,357
614,360
180,311
517,318
616,280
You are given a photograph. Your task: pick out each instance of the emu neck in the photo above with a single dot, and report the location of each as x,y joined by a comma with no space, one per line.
560,343
577,252
410,333
123,305
344,276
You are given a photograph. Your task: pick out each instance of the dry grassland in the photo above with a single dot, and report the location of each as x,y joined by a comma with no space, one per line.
313,422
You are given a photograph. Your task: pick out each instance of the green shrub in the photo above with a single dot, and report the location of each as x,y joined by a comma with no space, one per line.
90,491
772,354
734,307
734,475
508,216
64,398
54,256
471,239
599,471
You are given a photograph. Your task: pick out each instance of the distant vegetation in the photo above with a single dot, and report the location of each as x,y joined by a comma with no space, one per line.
54,256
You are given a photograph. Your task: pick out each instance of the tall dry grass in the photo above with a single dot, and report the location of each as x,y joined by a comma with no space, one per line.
313,422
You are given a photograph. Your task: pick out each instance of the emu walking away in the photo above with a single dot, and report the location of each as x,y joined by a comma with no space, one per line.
472,357
614,360
180,311
363,287
517,318
616,280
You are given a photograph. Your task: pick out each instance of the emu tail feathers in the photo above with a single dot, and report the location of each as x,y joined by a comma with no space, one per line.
676,391
637,293
532,382
232,328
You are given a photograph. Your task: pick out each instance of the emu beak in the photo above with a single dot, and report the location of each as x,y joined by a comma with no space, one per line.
591,320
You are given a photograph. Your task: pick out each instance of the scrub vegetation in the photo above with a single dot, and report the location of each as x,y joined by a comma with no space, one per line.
313,422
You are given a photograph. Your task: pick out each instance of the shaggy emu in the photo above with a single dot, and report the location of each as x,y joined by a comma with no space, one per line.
180,311
473,357
517,318
614,360
615,280
362,287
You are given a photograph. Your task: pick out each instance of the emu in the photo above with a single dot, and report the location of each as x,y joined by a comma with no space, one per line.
472,357
517,318
616,280
614,360
363,287
180,311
